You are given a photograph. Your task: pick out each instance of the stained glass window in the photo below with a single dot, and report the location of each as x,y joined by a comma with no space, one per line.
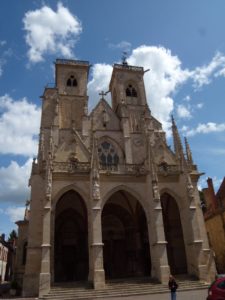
107,154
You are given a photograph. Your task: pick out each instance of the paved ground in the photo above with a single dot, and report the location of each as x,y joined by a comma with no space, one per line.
185,295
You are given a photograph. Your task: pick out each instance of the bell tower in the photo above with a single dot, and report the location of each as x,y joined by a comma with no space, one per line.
71,82
127,86
130,104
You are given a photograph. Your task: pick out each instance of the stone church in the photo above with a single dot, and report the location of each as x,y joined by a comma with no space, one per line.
109,198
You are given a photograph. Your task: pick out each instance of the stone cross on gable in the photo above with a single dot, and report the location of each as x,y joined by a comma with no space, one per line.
102,94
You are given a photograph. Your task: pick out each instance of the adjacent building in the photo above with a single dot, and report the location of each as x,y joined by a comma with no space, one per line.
109,197
214,214
7,258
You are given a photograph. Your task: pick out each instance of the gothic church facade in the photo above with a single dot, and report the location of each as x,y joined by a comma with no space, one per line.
109,198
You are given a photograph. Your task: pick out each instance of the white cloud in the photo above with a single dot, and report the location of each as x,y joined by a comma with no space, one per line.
4,54
187,98
101,74
183,111
14,182
205,128
200,105
203,75
50,32
124,45
15,213
19,125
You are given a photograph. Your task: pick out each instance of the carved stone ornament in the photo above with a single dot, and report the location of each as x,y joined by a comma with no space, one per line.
96,190
48,188
190,190
156,194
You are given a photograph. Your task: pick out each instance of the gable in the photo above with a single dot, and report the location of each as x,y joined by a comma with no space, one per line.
104,118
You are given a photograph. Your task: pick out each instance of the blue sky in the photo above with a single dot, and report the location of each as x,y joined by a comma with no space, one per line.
182,42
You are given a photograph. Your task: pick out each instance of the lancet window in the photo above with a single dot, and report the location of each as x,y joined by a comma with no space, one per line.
71,81
107,155
131,91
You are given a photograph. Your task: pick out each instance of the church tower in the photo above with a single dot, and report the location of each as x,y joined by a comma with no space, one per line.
71,84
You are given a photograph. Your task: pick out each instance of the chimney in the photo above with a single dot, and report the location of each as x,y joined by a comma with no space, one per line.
212,196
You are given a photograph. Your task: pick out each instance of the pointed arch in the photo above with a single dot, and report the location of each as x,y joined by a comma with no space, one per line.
176,253
126,249
71,258
73,187
129,190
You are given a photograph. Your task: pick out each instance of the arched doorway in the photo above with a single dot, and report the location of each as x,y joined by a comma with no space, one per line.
71,239
125,237
174,235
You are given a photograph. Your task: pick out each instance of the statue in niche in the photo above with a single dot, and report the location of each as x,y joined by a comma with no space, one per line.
48,188
155,188
96,190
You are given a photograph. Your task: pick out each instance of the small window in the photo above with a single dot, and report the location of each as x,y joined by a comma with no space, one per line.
71,81
131,91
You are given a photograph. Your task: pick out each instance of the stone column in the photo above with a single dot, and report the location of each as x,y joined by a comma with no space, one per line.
97,249
160,267
45,275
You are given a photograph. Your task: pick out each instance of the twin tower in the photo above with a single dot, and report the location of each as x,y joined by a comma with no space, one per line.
109,198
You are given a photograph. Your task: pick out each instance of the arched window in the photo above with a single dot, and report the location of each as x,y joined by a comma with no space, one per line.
131,91
71,81
107,155
24,257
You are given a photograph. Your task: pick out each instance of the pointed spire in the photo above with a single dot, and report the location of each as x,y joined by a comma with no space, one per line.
178,148
188,152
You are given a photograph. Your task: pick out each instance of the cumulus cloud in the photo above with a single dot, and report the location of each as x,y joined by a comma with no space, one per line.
204,75
19,126
51,32
15,213
124,45
183,111
205,128
14,182
101,74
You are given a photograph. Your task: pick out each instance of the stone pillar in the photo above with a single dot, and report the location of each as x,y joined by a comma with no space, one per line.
97,250
45,275
203,265
160,267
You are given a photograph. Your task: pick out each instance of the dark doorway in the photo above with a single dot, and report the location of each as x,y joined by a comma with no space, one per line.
71,239
125,237
174,235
